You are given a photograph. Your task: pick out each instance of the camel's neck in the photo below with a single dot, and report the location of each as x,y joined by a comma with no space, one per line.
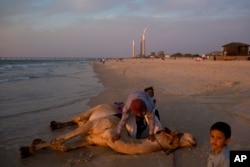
134,146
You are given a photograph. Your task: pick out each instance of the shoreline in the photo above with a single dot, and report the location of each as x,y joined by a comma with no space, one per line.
190,96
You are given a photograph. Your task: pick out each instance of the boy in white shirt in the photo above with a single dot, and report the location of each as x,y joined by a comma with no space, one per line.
220,136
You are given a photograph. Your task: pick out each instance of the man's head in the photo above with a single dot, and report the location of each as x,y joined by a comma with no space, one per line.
149,91
138,107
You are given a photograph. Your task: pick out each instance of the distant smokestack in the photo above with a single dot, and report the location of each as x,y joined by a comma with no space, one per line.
143,46
143,43
133,48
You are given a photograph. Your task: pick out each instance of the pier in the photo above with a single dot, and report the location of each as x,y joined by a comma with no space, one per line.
45,58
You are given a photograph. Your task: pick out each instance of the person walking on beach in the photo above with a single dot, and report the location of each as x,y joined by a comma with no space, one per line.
220,136
138,104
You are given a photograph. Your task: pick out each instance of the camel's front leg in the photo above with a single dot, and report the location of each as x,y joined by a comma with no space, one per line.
82,142
39,144
35,147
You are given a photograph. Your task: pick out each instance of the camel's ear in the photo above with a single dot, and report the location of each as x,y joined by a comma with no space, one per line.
167,130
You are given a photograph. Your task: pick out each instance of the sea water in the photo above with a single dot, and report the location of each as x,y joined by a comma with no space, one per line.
35,92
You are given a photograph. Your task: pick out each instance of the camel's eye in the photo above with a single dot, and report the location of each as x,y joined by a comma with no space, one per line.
180,135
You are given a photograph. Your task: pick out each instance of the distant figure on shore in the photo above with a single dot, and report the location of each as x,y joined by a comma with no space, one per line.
102,61
198,59
120,59
220,136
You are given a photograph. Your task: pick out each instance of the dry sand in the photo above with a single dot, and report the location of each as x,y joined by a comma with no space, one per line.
190,95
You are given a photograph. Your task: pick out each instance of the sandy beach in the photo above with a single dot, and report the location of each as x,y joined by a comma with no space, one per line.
190,95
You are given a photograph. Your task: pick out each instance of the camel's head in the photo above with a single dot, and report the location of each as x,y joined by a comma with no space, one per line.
172,139
187,140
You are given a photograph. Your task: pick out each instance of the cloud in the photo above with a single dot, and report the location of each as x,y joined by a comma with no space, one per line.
84,24
49,12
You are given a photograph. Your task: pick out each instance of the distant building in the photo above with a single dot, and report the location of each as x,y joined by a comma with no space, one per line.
236,49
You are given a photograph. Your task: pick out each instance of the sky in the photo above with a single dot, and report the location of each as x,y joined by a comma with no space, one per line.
106,28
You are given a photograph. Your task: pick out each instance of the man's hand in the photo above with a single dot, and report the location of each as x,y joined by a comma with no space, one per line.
116,137
151,137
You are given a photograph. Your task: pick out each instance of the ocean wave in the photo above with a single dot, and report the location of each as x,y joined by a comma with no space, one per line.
13,79
20,72
36,111
37,76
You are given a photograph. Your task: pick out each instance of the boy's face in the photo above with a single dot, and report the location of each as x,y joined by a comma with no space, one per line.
218,140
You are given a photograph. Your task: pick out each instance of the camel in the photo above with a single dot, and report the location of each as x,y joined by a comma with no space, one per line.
97,126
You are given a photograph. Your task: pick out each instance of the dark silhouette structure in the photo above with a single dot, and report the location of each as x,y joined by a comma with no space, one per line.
236,49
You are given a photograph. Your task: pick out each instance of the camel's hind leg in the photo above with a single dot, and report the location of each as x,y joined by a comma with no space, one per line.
78,131
79,120
58,125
